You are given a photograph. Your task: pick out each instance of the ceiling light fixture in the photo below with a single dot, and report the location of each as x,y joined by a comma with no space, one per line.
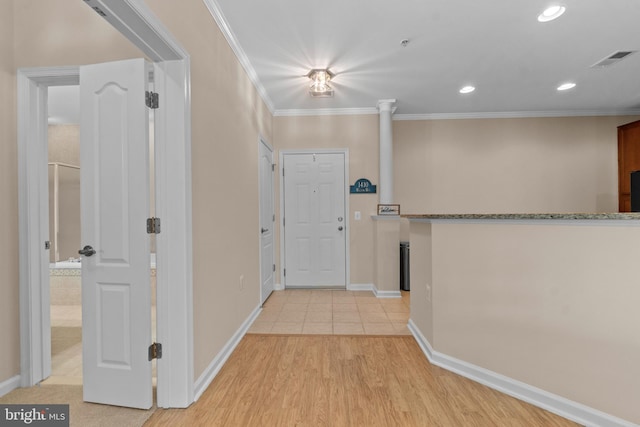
320,79
566,86
467,89
551,13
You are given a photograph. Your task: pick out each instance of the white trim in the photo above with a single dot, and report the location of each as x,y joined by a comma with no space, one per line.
326,112
559,405
278,287
387,294
515,115
9,385
173,200
372,288
223,355
361,287
218,16
174,270
347,223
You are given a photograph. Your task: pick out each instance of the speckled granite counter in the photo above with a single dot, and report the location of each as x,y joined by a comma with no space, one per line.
527,216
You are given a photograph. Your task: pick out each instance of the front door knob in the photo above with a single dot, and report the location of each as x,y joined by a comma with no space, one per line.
87,251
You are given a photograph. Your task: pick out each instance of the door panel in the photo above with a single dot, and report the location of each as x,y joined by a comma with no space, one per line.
314,210
116,288
266,222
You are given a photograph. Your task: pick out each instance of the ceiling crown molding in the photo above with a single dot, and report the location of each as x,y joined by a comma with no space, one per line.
515,115
326,112
218,16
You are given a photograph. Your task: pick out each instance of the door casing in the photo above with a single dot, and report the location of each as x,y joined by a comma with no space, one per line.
345,152
173,203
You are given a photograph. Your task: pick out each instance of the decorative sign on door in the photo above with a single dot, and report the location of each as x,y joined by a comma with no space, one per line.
362,186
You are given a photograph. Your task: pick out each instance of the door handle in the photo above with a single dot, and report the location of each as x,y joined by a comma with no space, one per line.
264,230
87,251
340,228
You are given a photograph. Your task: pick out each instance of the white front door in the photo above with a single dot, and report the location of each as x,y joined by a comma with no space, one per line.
267,218
116,291
314,220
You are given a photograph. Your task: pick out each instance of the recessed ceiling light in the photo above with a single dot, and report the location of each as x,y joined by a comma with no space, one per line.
467,89
551,13
566,86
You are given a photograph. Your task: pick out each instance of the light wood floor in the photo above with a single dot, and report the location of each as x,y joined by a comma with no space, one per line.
332,380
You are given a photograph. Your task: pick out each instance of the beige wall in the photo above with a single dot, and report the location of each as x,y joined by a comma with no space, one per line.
9,313
551,305
359,134
507,165
227,117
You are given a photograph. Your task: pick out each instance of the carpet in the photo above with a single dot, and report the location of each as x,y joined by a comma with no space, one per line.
81,414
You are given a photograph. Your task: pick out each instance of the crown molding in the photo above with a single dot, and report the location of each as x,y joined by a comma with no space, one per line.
218,16
326,112
515,115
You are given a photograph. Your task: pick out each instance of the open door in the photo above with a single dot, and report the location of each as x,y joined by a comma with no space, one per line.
267,218
116,291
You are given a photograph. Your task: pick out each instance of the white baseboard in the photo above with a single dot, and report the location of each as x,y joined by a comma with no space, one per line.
216,364
9,385
371,287
361,287
559,405
278,287
387,294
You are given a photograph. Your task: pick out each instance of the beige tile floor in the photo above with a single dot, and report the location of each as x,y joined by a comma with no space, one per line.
303,311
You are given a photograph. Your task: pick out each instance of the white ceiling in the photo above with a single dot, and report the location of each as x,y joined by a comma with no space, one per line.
515,62
64,105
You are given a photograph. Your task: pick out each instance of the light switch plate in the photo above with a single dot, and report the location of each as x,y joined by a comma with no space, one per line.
357,216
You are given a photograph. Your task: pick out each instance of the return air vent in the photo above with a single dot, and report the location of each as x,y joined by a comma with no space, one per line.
613,58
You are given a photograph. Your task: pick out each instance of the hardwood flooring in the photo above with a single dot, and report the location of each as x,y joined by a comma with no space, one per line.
332,380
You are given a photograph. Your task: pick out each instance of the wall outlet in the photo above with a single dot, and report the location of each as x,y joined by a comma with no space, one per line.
357,216
428,286
241,281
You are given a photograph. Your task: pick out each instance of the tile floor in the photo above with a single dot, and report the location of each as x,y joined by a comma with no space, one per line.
303,311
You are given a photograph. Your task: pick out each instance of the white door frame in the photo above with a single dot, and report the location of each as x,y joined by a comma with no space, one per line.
345,151
174,304
263,141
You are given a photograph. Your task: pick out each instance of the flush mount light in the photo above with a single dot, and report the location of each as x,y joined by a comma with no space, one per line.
320,79
566,86
551,13
467,89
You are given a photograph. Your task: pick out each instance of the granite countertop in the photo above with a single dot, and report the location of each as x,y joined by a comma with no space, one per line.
567,216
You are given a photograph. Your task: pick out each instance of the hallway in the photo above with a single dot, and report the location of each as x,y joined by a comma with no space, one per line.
338,312
344,381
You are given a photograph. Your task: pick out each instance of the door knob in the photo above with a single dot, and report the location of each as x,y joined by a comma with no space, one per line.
87,251
340,228
264,230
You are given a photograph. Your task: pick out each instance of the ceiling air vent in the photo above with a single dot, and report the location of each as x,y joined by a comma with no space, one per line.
613,58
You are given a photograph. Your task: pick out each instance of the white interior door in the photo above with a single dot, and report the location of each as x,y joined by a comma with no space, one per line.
116,291
314,220
267,218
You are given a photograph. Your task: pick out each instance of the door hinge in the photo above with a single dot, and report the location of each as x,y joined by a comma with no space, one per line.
47,244
274,218
153,225
274,267
285,272
155,351
282,171
283,222
152,99
273,167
